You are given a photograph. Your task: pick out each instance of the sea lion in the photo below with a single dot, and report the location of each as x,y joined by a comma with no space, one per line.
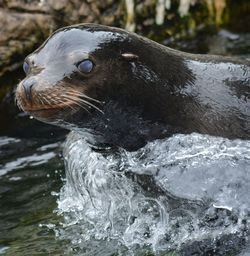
126,90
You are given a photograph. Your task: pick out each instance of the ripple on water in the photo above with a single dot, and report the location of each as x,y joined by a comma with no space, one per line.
166,196
10,146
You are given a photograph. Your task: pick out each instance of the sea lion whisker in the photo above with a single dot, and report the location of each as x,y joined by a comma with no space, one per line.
41,99
54,96
20,105
70,105
77,93
86,103
76,102
53,99
90,98
90,105
73,101
47,101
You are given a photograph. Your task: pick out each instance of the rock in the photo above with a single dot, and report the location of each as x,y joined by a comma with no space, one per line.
26,24
20,34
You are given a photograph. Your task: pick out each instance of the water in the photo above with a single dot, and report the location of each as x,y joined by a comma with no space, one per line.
25,202
165,196
188,194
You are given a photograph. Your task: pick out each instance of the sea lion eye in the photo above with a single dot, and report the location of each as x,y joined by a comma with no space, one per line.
86,66
26,67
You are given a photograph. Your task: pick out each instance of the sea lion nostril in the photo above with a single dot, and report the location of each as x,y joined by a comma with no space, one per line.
27,85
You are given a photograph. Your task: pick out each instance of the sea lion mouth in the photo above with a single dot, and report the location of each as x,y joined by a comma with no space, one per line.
47,108
49,103
49,113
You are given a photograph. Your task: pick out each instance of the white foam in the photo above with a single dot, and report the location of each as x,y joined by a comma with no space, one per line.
169,193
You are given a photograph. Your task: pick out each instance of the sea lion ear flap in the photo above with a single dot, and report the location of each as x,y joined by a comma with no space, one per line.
129,56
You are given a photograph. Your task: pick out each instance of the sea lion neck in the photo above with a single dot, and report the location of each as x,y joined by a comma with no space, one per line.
150,76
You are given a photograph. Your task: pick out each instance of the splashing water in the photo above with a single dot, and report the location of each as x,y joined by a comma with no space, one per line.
168,195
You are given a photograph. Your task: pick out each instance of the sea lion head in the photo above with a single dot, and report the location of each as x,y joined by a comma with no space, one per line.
76,70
